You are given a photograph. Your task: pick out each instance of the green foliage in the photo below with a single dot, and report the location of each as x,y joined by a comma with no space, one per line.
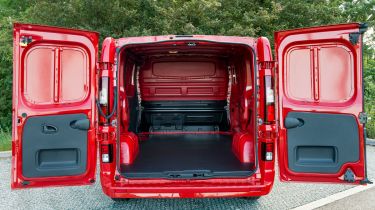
369,79
7,13
124,18
5,141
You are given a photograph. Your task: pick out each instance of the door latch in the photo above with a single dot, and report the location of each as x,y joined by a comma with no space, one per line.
49,129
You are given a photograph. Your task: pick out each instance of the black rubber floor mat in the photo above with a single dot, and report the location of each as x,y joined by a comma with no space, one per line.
186,156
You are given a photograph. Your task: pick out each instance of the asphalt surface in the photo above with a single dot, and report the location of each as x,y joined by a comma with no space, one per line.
362,200
283,196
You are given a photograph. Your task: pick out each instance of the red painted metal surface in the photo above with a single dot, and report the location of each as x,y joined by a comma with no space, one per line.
316,49
319,70
178,79
53,74
108,50
243,147
129,148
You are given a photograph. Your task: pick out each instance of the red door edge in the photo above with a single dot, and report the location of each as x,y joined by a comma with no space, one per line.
54,112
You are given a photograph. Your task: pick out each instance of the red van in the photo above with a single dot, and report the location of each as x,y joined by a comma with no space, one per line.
187,115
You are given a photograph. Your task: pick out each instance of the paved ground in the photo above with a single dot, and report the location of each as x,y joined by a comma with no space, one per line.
283,196
362,200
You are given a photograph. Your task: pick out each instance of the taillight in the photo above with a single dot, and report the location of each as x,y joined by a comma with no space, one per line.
269,111
267,151
106,151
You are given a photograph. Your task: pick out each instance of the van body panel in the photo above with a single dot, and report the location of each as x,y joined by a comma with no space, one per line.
152,185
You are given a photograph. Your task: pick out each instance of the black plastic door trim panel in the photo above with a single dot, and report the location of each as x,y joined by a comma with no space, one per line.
55,145
322,143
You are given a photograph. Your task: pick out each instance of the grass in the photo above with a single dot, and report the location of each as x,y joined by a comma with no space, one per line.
5,141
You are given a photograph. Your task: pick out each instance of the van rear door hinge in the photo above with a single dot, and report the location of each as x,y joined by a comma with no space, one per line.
25,40
354,37
266,64
98,66
363,117
102,65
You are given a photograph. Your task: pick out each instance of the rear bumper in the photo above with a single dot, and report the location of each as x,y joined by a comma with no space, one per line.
196,189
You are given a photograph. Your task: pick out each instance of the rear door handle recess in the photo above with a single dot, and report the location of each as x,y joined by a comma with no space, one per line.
83,124
291,122
49,129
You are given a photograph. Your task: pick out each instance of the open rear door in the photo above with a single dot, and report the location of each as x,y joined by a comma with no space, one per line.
53,106
320,104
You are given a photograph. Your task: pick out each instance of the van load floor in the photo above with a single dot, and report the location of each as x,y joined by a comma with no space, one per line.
186,156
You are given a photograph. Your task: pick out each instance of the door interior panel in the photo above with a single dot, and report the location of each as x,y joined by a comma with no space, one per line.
54,145
321,142
54,75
